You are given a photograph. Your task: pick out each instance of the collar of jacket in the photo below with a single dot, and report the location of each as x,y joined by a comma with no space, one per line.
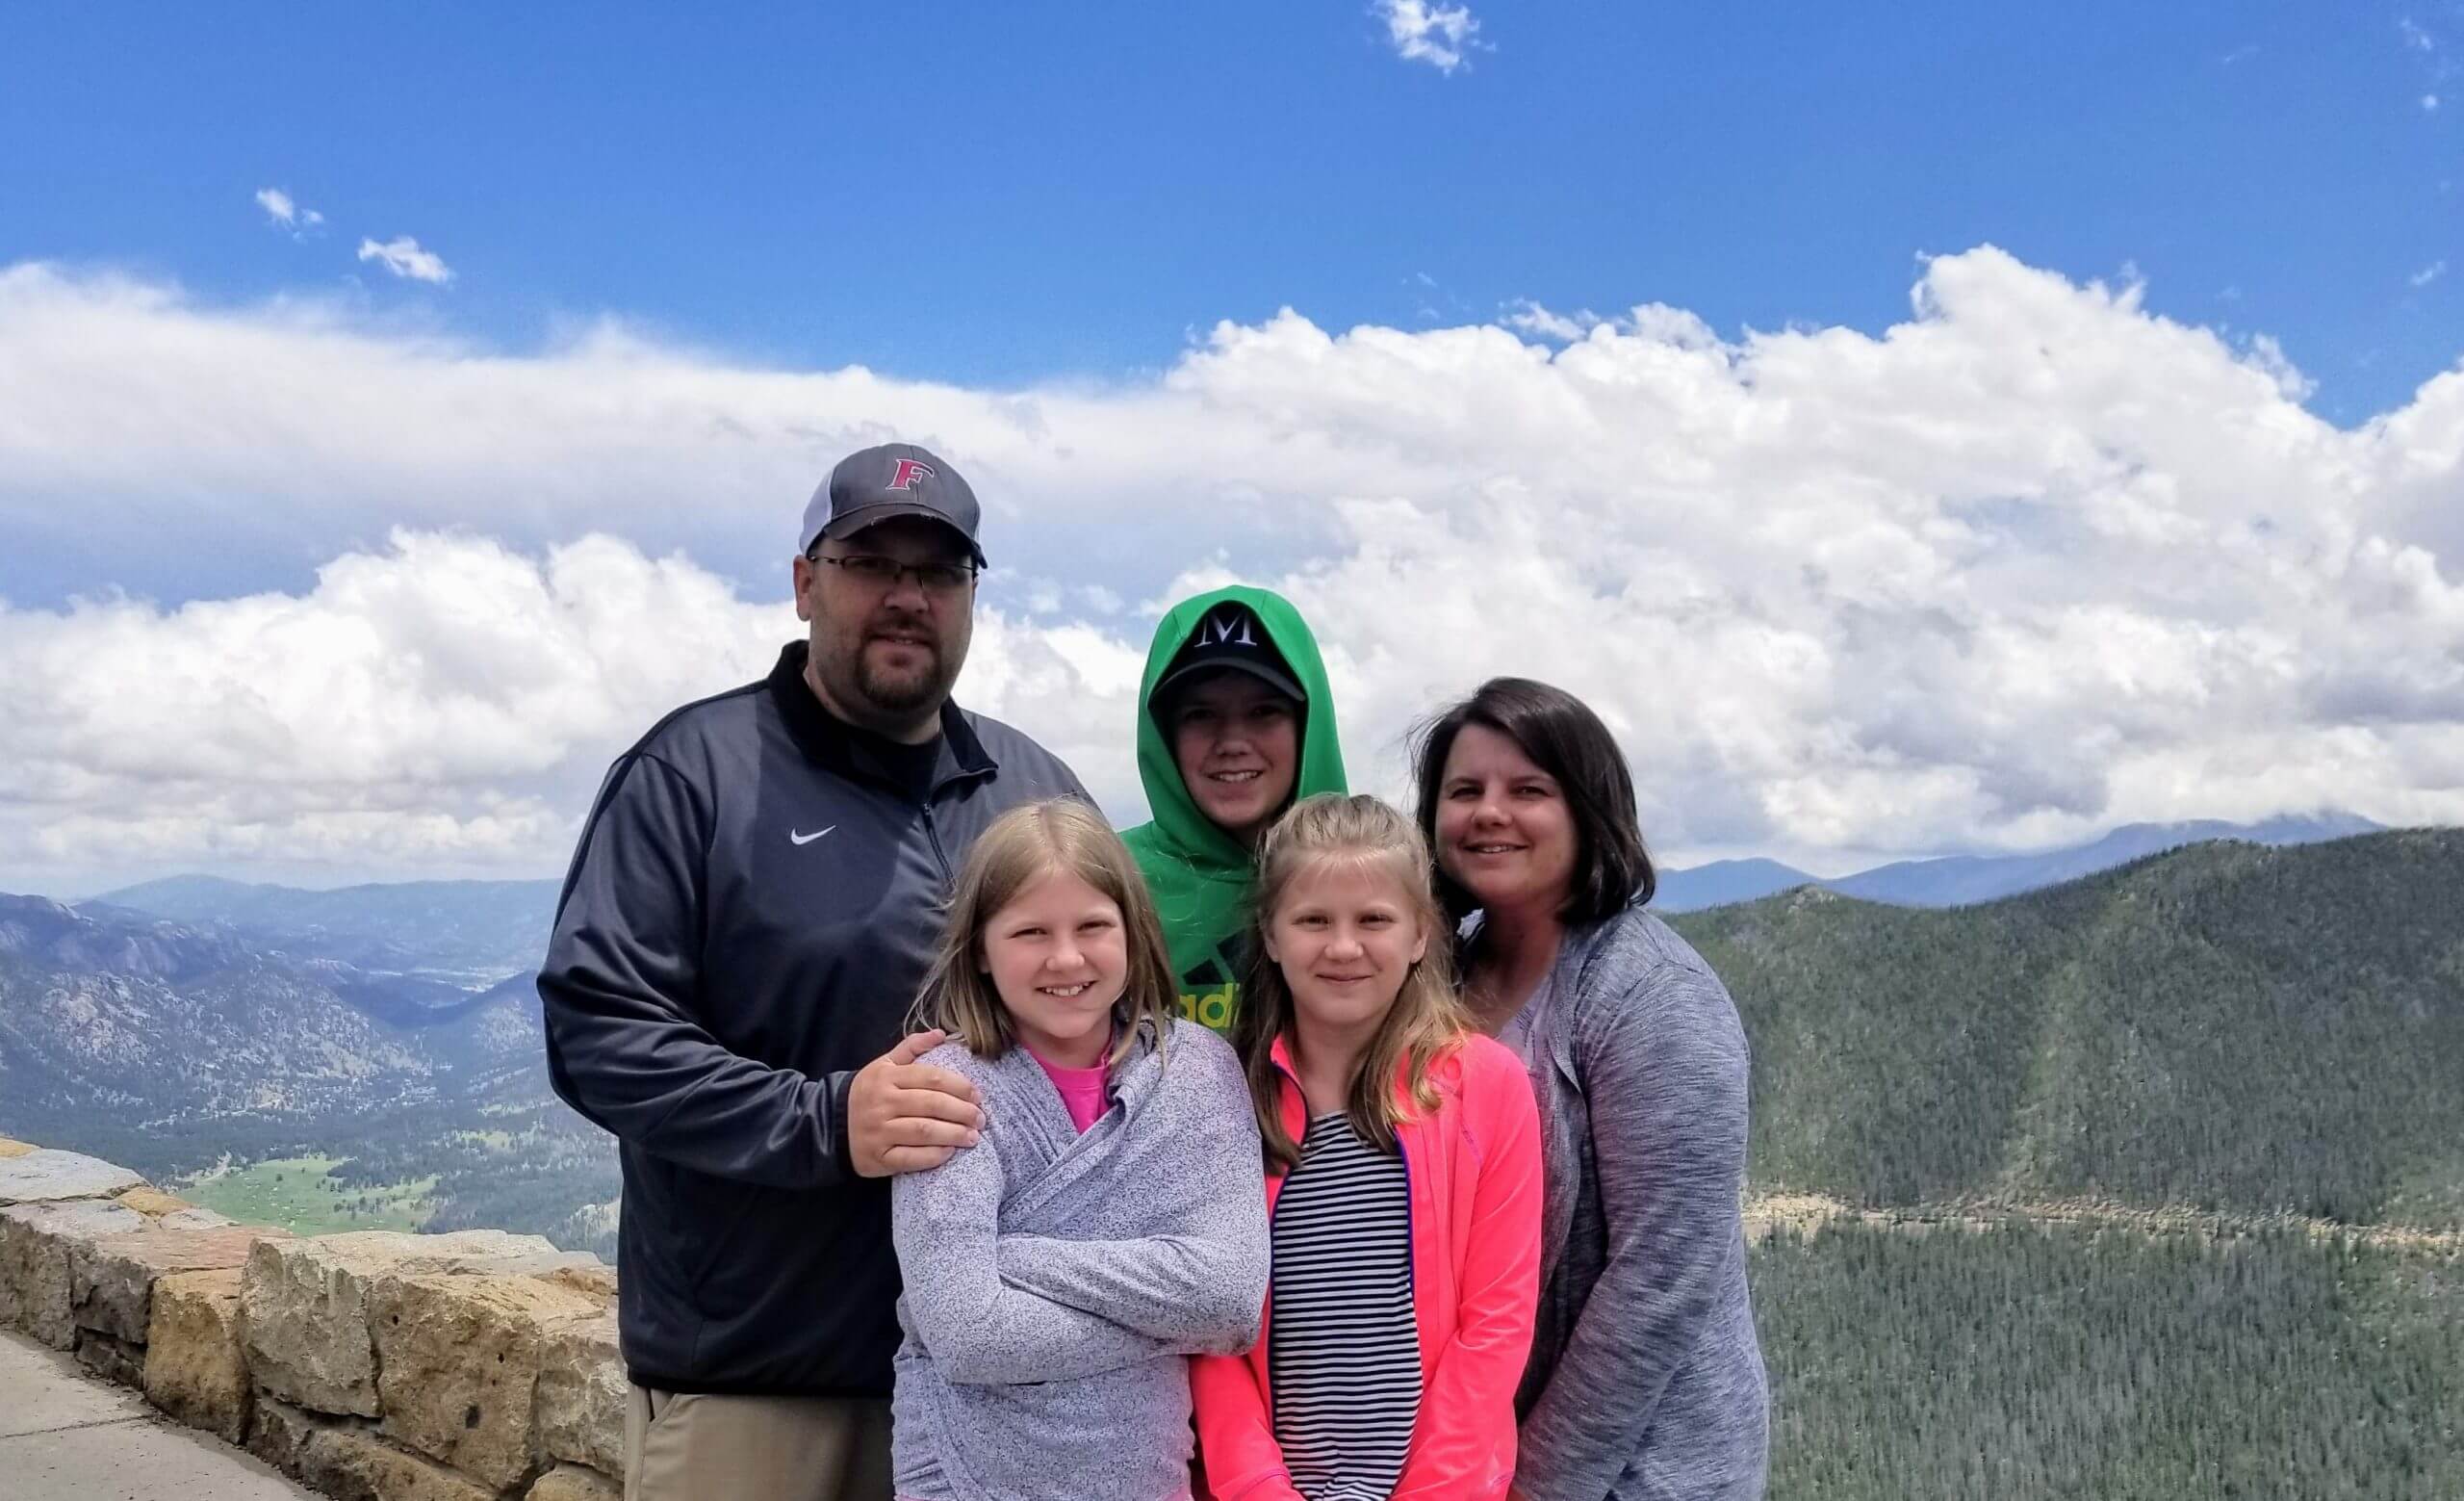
824,739
1294,1105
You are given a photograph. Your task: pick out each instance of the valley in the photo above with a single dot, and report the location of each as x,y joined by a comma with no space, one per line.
2143,1185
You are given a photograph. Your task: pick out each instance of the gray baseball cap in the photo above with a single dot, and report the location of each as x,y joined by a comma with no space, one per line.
890,479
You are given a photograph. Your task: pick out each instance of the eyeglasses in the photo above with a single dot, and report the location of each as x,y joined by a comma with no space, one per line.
876,572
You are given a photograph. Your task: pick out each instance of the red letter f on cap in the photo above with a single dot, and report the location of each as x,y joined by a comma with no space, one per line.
908,473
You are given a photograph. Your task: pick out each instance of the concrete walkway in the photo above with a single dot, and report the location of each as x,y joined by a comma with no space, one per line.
66,1436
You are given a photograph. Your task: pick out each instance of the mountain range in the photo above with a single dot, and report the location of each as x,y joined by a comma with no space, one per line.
456,937
1960,880
2197,1117
2228,1024
170,1047
470,932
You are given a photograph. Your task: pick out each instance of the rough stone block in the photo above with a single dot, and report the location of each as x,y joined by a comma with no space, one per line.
12,1148
307,1320
47,1174
588,1273
153,1202
278,1434
582,1393
112,1282
345,1461
566,1482
458,1360
113,1359
35,1241
196,1220
194,1369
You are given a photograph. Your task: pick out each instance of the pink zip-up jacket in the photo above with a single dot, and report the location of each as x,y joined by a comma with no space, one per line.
1475,1169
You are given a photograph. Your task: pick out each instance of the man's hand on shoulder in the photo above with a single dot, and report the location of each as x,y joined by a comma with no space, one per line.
904,1116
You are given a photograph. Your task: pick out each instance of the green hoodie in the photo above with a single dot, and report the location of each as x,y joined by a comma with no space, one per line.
1200,875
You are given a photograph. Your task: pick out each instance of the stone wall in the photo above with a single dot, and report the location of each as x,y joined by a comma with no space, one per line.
373,1366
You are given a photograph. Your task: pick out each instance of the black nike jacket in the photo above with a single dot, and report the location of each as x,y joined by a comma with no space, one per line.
748,918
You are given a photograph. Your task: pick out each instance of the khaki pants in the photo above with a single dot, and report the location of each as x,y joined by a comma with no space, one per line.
691,1446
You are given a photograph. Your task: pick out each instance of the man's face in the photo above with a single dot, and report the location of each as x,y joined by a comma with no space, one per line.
1237,745
886,652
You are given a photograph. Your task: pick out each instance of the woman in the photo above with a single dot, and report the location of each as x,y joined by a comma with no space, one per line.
1645,1380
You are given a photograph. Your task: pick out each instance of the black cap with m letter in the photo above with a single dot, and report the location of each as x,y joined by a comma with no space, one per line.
1231,637
885,481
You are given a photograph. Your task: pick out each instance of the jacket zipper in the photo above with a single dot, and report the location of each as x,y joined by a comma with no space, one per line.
932,830
940,856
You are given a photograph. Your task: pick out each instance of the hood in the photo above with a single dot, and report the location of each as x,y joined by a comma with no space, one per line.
1179,827
1201,876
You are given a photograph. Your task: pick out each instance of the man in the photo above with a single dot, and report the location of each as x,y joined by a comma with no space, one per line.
748,916
1234,723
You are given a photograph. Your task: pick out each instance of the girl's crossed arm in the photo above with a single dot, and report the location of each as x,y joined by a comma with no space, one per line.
977,1328
1199,1283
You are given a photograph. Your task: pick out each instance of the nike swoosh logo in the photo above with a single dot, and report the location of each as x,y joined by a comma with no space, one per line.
793,837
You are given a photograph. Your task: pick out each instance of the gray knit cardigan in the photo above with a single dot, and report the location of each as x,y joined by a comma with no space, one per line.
1645,1382
1056,1281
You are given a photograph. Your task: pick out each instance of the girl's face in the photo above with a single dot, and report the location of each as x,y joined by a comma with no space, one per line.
1057,955
1503,829
1345,933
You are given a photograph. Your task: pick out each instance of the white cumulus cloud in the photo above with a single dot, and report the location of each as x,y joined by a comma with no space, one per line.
2428,273
442,702
1439,35
2030,564
403,256
283,211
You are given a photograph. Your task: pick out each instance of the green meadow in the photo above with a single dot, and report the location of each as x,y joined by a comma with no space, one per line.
299,1194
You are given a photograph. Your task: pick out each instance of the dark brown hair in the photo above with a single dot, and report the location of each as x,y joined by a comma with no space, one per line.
1563,737
1423,1024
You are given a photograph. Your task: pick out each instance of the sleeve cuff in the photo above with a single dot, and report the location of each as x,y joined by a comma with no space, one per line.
841,1150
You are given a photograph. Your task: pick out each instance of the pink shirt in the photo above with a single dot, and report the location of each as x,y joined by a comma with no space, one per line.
1085,1092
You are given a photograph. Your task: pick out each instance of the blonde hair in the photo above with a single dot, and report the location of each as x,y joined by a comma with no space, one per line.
1059,836
1426,1020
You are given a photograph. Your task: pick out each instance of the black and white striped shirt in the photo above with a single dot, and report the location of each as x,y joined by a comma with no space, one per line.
1343,1351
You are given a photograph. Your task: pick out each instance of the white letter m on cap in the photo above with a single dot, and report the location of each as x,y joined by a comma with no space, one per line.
1229,628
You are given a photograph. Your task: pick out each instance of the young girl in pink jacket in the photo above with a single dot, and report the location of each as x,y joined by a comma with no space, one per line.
1402,1181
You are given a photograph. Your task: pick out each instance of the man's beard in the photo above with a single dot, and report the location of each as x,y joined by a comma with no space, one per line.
902,692
890,697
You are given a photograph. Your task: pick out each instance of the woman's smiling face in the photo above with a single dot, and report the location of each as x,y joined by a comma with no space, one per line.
1059,956
1504,832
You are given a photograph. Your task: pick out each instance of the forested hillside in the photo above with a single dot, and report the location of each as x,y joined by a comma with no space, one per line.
2038,1362
2225,1027
2227,1045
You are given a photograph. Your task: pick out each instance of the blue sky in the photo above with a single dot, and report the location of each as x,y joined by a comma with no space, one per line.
1921,428
1008,193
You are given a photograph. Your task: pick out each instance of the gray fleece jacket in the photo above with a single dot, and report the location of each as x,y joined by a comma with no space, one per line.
1645,1381
1056,1281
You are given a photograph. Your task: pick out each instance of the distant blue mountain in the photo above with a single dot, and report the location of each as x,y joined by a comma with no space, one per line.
1960,880
482,930
1964,879
1725,881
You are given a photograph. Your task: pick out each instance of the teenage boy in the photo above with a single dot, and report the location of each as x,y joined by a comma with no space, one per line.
1234,724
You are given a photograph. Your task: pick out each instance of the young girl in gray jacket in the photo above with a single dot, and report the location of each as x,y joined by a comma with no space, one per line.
1110,1222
